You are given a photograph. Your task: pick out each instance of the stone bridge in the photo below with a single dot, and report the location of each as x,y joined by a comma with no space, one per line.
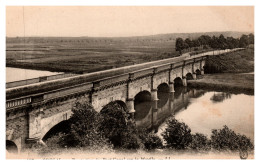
33,110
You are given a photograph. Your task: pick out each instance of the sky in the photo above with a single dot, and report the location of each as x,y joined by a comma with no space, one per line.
125,21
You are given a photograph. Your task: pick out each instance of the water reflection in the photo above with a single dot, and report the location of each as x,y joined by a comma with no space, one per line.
142,105
220,97
198,109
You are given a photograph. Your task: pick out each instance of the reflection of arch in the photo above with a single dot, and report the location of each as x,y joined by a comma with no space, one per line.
63,126
178,92
198,72
189,76
162,94
11,147
177,82
142,104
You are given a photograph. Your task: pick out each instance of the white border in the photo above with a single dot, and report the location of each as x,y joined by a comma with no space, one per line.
4,3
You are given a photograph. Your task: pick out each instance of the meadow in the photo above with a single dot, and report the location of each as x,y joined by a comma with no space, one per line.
89,54
84,55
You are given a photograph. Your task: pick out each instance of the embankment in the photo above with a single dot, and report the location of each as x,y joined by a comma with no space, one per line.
226,73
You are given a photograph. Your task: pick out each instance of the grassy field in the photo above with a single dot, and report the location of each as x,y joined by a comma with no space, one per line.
229,82
88,54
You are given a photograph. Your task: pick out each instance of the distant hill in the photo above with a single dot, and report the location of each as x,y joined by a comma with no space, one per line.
150,38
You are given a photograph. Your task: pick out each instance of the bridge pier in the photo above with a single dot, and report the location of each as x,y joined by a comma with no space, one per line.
194,76
171,87
202,72
154,113
130,107
171,102
154,95
184,81
35,126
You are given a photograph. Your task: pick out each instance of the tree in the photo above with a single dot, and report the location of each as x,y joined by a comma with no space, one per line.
214,42
251,38
177,135
222,44
230,42
196,43
85,128
243,42
189,43
179,45
226,139
150,140
118,127
200,142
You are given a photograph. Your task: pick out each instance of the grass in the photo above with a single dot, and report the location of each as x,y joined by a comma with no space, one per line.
230,82
86,55
235,62
225,73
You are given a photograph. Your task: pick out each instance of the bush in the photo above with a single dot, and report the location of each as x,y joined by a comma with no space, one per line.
118,127
200,142
150,140
113,123
130,138
177,135
225,139
85,130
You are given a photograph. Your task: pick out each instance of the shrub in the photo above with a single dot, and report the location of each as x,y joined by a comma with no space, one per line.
200,142
113,123
226,139
150,140
177,135
130,138
118,127
85,130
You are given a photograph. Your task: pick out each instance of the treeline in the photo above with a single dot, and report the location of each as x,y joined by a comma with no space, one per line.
221,42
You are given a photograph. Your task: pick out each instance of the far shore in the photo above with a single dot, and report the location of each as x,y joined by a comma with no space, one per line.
229,82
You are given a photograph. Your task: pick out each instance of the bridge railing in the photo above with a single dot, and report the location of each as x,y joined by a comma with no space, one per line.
111,80
68,91
216,52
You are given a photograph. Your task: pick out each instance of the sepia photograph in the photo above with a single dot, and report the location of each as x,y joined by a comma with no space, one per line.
129,82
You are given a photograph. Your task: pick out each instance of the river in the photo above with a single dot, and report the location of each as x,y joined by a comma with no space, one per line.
201,110
17,74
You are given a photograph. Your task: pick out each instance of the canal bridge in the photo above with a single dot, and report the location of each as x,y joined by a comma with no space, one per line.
33,109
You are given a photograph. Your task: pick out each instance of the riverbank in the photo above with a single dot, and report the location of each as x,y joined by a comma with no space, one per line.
229,82
234,62
231,72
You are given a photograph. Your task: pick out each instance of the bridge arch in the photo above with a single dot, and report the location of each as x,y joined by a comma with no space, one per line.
11,147
177,82
48,123
198,72
189,76
163,94
63,127
142,104
119,103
